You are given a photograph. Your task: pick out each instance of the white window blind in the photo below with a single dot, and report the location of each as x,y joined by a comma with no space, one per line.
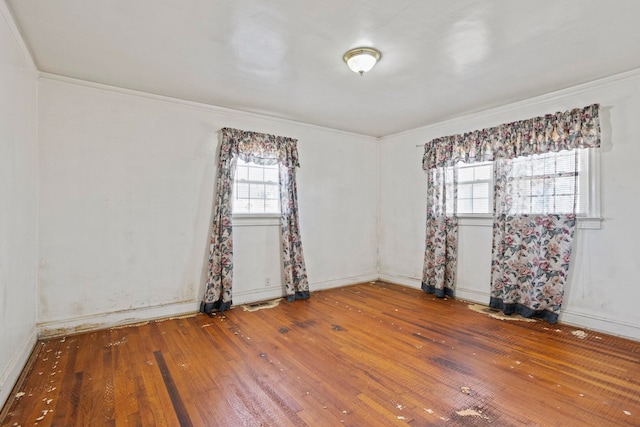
551,183
256,189
540,184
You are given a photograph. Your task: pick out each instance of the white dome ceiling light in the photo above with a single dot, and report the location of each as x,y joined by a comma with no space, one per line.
361,59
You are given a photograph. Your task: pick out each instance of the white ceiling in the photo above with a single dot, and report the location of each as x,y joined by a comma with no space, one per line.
283,58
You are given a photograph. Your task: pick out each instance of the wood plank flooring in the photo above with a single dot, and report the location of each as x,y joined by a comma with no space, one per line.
372,354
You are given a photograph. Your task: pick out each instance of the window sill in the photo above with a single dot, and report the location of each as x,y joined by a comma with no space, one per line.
483,220
590,223
253,220
477,220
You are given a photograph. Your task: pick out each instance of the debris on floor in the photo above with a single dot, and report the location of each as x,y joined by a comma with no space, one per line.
580,334
495,314
470,413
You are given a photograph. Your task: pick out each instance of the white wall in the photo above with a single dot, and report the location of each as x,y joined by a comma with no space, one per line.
18,203
603,290
126,188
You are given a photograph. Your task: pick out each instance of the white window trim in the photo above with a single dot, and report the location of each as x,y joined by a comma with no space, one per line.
249,218
489,181
595,185
591,221
255,220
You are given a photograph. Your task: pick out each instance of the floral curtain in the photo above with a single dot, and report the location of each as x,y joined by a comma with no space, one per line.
532,238
441,254
578,128
530,252
261,149
295,272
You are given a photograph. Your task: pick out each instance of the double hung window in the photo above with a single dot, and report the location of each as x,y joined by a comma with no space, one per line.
543,184
256,188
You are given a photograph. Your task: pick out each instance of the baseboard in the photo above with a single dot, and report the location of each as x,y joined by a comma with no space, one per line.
343,281
272,292
255,295
398,279
17,363
599,324
412,282
117,318
473,296
142,314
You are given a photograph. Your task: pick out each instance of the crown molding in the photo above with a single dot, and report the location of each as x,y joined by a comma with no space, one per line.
203,107
22,46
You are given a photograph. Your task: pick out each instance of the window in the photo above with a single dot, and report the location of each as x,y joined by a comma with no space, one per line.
551,183
544,182
475,188
256,189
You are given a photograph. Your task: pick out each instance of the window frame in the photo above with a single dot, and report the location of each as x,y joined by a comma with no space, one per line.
591,219
255,218
489,181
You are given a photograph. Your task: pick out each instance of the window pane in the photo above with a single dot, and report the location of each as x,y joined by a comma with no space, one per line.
565,185
549,187
481,190
242,191
475,181
271,175
250,190
272,192
566,163
480,205
256,206
465,174
555,180
536,164
537,187
564,204
241,205
256,174
465,206
537,205
549,166
256,191
483,172
242,173
465,191
272,206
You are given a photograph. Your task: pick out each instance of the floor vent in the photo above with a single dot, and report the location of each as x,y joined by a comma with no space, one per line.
255,306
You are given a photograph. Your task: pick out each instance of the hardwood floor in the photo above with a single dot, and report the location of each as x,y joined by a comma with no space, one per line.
364,355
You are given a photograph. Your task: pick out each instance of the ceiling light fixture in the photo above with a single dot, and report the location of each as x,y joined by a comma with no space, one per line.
361,59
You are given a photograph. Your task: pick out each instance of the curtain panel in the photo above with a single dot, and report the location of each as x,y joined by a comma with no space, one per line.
578,128
262,149
441,254
530,253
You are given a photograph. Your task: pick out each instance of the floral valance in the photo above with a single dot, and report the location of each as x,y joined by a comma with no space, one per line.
578,128
260,148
